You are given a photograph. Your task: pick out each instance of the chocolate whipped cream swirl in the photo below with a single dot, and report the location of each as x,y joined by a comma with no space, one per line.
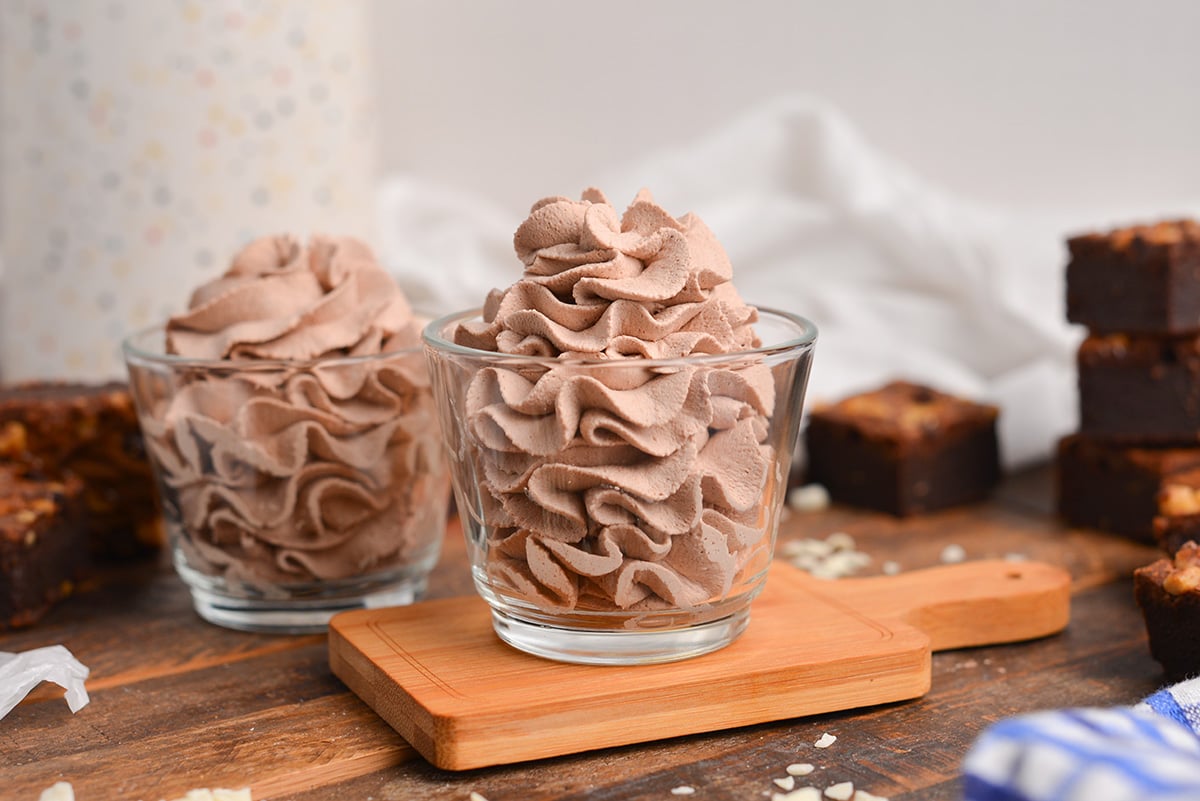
283,460
621,486
279,300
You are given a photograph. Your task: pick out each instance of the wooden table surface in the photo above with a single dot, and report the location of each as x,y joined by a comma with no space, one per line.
177,703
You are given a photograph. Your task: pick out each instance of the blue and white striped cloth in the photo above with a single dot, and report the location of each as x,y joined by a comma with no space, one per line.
1149,752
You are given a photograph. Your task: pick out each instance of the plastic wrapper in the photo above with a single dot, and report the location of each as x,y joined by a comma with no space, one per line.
21,672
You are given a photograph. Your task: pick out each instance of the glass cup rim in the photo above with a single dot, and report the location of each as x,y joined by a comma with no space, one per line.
431,334
136,352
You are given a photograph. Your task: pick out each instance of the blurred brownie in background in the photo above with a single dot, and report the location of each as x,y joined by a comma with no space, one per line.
1137,279
1120,488
1168,593
1137,289
43,544
91,432
1140,387
904,449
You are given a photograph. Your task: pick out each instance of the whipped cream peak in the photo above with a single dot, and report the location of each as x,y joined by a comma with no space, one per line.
286,301
600,285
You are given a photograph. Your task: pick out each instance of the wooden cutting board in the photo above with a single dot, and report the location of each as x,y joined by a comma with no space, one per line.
439,675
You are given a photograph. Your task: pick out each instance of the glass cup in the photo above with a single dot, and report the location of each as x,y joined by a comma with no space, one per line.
293,490
621,511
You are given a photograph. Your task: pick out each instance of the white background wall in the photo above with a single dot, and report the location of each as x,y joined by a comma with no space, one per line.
1074,111
1089,107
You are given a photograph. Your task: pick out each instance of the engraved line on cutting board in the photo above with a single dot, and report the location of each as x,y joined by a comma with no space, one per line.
417,665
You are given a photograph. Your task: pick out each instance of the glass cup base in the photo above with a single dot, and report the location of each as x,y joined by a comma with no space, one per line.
292,616
596,647
300,608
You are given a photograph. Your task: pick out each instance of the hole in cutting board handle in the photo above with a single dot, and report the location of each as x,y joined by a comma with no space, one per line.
1015,574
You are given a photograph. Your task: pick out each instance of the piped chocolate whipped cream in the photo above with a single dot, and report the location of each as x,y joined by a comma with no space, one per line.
281,300
601,286
613,484
288,459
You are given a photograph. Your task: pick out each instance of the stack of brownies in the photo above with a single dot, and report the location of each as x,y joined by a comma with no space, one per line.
1133,468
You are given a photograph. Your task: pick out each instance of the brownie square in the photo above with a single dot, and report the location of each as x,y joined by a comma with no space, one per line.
1140,388
89,431
43,545
1115,487
1168,593
904,449
1139,279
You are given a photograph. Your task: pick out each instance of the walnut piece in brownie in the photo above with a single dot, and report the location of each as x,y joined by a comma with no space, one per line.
1178,519
1118,488
904,449
92,432
1168,593
1142,279
43,545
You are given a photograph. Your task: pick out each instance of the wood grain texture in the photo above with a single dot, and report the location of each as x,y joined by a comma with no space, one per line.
440,676
184,704
985,602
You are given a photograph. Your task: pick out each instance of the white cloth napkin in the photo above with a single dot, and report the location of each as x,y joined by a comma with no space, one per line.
1151,750
902,279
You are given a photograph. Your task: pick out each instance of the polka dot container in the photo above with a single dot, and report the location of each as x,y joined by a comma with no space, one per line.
143,143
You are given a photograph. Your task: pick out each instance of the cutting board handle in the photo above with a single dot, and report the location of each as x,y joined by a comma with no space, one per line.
971,603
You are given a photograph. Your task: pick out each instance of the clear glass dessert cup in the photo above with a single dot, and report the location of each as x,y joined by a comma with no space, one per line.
621,511
293,490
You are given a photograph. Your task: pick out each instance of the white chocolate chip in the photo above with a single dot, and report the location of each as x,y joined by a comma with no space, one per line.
953,553
863,795
59,791
809,498
476,796
683,790
858,559
825,740
807,548
831,558
890,568
841,541
799,769
791,548
788,783
803,794
844,563
842,791
1015,557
